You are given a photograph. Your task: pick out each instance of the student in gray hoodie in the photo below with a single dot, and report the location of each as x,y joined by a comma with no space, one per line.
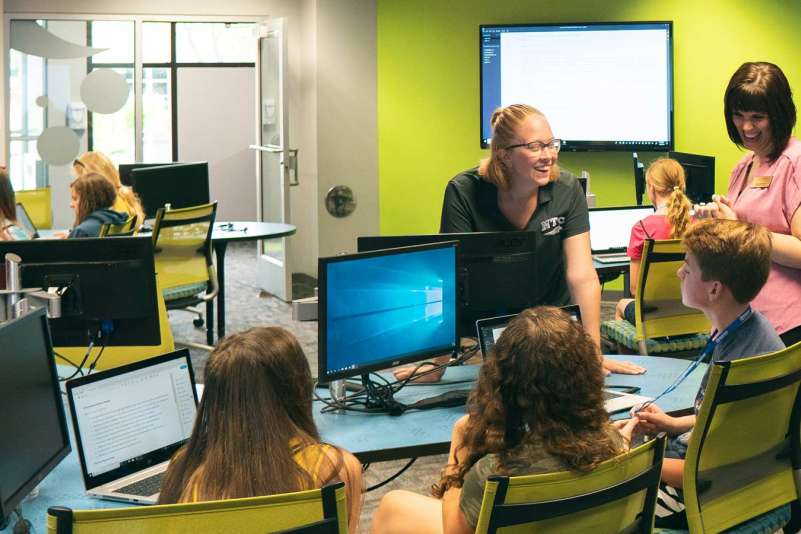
92,199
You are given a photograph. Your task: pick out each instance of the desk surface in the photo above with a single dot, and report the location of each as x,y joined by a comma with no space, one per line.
226,231
377,437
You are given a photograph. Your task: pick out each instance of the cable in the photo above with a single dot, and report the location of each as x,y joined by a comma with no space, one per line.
79,368
62,357
393,477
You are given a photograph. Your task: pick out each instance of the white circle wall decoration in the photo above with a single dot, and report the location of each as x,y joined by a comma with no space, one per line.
58,145
104,91
42,101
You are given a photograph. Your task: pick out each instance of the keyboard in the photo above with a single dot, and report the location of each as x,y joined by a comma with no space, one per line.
145,487
617,257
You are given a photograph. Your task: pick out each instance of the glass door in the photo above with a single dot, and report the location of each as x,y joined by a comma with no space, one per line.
276,161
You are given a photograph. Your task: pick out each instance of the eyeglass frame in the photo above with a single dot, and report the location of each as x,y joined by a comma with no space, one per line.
554,144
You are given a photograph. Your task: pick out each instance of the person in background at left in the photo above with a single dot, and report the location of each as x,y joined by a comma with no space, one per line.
520,187
9,229
92,199
765,186
126,200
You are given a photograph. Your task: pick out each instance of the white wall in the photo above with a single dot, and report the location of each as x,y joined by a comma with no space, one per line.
347,140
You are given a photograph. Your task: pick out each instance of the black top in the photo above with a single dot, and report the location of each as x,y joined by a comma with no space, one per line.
471,205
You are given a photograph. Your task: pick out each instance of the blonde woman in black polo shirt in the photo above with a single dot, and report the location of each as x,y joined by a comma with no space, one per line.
520,187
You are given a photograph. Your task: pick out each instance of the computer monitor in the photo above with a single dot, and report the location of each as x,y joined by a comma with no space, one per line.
34,438
385,308
603,86
181,185
639,179
497,271
110,287
700,173
126,168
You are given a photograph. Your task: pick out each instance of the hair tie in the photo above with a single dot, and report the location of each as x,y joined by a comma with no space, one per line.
676,188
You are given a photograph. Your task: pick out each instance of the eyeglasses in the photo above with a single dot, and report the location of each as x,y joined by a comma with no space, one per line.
535,147
78,163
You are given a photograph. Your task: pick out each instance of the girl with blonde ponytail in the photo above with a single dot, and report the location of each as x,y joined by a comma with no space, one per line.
665,185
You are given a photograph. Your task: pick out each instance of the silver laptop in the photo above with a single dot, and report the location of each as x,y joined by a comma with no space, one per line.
489,330
25,222
129,421
610,230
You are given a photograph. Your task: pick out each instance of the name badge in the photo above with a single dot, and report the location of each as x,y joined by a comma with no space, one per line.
761,182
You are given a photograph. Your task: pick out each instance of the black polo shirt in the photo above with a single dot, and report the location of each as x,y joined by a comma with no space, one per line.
471,205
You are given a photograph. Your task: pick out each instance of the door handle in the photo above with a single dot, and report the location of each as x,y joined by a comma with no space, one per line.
289,159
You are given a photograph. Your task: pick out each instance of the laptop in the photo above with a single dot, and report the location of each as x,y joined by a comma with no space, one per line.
490,329
25,222
129,421
610,230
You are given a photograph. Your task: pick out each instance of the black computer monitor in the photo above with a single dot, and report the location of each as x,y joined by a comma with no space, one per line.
34,438
110,287
381,309
126,168
700,173
181,185
639,179
497,271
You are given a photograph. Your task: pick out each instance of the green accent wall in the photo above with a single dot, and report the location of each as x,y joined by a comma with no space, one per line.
428,88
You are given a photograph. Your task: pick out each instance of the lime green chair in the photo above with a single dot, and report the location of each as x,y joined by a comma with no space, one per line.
618,496
38,205
128,228
319,511
664,324
182,248
743,457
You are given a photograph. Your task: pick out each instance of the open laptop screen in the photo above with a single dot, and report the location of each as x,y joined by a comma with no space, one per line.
490,329
25,221
610,228
131,417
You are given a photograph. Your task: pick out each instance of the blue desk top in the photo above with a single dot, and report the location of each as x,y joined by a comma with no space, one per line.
379,437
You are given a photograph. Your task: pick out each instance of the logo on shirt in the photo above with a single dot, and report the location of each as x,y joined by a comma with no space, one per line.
552,226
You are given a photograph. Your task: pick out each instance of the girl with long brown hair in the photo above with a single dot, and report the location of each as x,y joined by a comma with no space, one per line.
254,433
537,407
665,185
125,200
9,229
92,200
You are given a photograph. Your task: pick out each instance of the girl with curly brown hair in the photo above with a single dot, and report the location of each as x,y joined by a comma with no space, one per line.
537,407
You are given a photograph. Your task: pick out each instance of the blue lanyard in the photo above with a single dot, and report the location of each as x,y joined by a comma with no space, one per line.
713,342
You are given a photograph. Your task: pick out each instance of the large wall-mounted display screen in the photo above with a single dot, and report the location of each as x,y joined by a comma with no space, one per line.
603,86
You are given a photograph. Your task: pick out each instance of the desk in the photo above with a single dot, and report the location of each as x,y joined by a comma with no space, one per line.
609,271
222,234
375,438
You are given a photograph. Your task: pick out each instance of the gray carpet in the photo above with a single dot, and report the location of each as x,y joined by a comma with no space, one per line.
247,306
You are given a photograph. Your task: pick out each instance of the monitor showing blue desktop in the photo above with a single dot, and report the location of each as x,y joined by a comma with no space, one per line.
384,308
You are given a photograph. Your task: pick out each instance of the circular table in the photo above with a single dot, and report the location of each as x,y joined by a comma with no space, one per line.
222,234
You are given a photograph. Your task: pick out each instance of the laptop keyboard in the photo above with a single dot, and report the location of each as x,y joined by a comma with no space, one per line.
611,258
145,487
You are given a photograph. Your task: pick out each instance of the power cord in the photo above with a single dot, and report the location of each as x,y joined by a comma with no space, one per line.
393,477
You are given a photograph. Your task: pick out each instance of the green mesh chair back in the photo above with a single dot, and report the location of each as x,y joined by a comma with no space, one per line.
663,323
618,496
744,447
119,230
38,205
320,511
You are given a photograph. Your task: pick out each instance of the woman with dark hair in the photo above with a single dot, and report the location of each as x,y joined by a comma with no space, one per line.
92,199
765,186
537,407
126,201
254,433
9,229
521,187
